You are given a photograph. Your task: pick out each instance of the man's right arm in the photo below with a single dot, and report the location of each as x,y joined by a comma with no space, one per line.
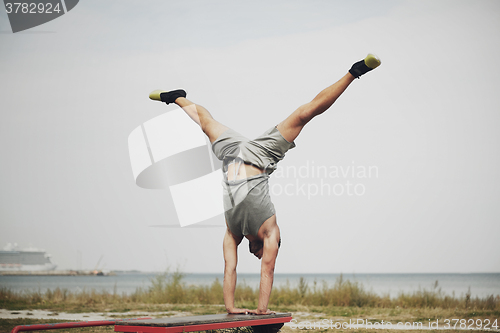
267,274
269,254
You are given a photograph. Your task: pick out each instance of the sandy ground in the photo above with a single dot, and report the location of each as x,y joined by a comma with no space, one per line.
42,314
301,320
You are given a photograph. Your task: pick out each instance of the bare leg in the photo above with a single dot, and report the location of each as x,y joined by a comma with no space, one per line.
291,126
212,128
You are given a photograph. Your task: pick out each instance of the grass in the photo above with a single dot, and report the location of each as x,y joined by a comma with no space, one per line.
169,288
169,294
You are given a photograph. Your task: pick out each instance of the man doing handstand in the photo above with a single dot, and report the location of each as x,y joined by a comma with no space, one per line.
246,166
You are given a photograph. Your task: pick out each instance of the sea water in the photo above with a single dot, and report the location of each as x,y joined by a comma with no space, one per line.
480,284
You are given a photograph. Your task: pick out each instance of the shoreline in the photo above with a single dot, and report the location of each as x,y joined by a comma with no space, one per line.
55,273
455,285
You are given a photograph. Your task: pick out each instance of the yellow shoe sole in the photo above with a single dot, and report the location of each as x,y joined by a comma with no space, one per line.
155,95
372,61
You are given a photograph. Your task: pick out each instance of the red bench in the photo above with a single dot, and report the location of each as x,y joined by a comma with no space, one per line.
262,324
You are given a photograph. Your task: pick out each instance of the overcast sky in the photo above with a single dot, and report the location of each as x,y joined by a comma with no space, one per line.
426,122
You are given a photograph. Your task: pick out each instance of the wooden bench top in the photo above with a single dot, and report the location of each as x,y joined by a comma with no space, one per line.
201,323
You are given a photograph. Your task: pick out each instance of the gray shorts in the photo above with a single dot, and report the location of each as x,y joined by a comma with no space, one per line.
263,152
247,203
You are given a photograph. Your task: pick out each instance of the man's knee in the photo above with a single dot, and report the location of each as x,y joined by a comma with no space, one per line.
305,113
208,126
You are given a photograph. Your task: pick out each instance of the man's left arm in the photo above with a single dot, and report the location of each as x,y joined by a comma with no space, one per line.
230,248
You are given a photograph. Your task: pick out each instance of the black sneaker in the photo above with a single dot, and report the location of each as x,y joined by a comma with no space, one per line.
364,66
167,96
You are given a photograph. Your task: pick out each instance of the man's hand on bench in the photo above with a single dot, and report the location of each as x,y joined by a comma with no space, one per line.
247,311
238,311
260,312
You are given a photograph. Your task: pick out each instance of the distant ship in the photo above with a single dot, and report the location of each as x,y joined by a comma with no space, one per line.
24,260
